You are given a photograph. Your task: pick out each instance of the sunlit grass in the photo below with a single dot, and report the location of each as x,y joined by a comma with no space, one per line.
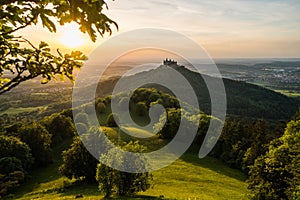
14,111
187,178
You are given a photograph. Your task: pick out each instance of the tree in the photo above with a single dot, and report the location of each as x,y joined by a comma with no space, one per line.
22,59
141,109
78,162
173,120
276,175
39,141
259,133
60,127
13,148
15,160
10,164
232,143
123,183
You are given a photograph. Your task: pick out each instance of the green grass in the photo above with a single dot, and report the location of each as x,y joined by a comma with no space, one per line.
289,93
187,178
14,111
190,177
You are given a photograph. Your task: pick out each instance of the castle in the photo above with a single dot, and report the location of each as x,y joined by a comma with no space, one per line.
169,62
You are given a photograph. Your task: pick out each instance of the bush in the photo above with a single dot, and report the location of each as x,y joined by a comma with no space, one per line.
123,183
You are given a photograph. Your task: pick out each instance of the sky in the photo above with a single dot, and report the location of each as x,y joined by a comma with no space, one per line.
226,29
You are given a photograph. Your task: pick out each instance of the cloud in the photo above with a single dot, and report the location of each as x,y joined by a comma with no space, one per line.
219,22
165,4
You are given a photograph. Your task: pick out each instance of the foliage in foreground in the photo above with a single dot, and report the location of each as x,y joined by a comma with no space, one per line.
276,175
22,60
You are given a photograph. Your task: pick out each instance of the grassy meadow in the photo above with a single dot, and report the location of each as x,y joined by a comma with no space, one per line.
187,178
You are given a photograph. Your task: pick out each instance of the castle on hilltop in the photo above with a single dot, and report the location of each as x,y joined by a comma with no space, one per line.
169,62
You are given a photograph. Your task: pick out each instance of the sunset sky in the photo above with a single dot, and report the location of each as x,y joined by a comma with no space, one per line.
226,29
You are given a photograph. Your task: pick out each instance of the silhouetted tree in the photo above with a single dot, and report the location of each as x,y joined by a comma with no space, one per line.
28,61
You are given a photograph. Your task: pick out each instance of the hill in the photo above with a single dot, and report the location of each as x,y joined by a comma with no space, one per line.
244,100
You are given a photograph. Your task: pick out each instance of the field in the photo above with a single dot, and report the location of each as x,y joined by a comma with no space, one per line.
187,178
15,111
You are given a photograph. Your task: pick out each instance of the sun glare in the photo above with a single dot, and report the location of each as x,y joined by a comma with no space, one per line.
72,37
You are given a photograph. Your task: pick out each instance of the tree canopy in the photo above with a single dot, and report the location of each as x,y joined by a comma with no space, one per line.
276,175
21,60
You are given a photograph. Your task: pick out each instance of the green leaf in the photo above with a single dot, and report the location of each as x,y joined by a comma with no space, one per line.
43,45
45,81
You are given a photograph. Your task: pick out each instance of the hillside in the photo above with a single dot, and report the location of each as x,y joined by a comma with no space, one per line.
206,179
244,100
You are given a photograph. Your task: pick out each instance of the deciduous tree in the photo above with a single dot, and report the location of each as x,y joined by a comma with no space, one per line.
276,175
21,60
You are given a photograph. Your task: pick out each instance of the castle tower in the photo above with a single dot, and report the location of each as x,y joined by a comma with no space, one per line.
169,62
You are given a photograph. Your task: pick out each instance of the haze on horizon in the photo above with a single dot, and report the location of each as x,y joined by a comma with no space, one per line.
226,29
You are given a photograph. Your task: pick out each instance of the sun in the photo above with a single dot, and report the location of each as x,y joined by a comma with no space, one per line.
72,37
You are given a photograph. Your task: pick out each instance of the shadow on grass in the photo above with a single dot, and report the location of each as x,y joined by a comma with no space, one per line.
213,164
79,187
82,190
44,174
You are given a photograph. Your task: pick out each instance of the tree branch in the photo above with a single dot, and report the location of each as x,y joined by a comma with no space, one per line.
20,27
13,84
7,2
